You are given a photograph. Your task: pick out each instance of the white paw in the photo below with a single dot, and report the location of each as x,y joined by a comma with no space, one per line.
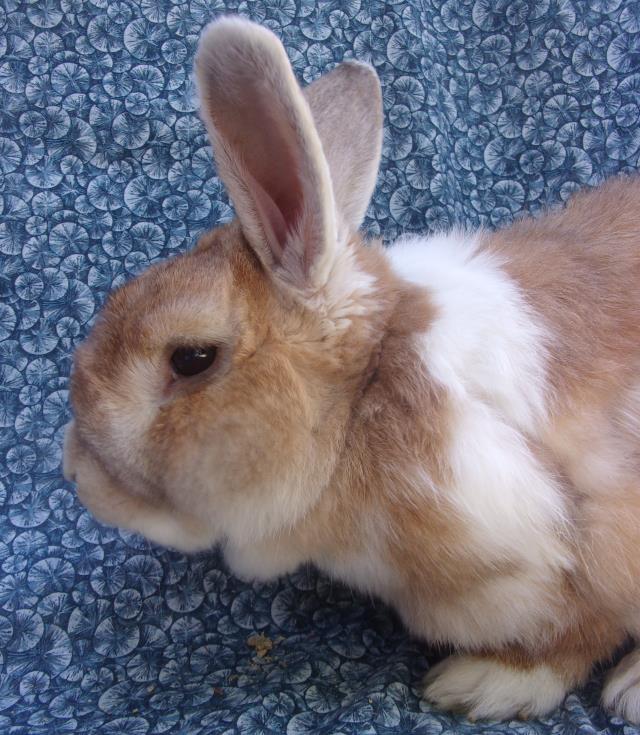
621,693
487,689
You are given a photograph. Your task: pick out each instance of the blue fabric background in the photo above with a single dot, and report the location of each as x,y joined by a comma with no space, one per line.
492,107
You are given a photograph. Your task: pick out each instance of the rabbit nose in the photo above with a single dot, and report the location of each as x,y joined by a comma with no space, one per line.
69,452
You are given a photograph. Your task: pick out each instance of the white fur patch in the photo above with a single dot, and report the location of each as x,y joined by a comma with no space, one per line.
486,689
507,608
621,693
485,342
264,561
513,503
347,293
487,350
365,568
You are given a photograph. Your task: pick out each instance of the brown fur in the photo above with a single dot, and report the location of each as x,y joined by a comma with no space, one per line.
580,269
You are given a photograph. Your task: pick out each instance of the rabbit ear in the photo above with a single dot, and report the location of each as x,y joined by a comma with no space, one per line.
346,105
267,150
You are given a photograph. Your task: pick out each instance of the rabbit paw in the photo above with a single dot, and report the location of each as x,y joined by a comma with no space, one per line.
484,688
621,693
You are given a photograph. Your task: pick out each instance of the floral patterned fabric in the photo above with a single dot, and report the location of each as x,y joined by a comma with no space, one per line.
492,107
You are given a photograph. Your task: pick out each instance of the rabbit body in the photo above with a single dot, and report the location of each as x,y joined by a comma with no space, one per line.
451,424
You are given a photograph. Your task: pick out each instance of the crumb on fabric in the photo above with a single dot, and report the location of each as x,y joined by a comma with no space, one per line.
260,643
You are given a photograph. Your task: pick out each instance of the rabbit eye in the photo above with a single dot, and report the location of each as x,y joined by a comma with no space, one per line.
188,361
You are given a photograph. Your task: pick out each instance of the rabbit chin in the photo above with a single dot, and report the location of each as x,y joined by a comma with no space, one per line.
106,499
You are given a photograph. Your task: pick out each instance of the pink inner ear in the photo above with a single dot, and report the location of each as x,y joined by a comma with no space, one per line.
279,217
264,143
273,220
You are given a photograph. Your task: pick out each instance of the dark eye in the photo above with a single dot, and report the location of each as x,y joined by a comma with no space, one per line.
188,361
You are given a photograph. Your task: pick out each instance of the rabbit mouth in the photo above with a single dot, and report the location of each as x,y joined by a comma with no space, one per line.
113,504
96,490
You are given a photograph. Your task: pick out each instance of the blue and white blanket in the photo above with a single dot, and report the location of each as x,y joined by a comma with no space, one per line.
492,107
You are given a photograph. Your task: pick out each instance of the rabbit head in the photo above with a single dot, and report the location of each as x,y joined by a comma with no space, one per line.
208,395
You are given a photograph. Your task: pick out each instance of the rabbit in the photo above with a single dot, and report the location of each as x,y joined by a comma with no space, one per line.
450,424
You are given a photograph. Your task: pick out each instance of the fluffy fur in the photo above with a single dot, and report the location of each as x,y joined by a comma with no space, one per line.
484,688
451,425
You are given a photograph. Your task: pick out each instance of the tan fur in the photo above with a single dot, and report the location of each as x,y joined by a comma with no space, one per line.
321,434
580,270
